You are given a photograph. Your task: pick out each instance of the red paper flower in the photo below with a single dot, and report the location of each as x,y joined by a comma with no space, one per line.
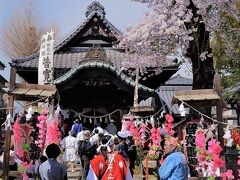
236,137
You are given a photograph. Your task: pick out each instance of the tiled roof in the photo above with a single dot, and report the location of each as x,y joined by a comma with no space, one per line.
167,91
2,66
112,29
101,64
2,81
178,80
176,83
72,59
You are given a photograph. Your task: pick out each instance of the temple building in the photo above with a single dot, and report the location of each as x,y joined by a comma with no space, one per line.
89,72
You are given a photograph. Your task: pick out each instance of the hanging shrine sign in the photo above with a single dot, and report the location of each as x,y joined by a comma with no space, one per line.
45,64
189,137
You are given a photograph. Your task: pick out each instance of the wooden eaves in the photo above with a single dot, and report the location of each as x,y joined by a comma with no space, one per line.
30,92
200,97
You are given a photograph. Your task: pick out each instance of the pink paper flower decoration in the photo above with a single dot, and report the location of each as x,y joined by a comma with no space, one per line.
214,147
53,133
25,176
227,175
169,118
18,138
238,161
200,138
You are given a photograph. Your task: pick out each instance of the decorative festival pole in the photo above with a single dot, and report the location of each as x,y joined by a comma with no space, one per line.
135,100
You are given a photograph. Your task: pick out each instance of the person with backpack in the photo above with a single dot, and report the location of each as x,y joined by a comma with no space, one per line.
86,152
132,153
76,127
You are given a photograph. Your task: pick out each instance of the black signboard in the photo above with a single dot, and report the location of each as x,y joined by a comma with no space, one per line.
190,146
231,158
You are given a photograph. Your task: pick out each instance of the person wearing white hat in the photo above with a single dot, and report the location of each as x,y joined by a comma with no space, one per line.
122,146
111,128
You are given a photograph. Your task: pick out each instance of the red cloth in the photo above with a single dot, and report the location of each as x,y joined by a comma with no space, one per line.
99,165
117,168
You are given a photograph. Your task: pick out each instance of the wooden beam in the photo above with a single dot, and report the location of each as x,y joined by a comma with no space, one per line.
197,104
142,109
8,131
35,86
217,87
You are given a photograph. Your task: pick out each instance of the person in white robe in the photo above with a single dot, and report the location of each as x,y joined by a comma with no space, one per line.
69,144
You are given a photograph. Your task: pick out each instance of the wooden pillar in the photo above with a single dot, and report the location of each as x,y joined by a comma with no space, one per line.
8,131
217,87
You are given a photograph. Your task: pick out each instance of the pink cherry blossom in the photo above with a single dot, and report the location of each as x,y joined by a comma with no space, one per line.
163,28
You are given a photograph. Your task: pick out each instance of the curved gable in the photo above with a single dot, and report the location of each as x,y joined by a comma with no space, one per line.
104,65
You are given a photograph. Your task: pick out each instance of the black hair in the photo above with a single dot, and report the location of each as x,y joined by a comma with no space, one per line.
100,135
96,131
103,148
104,140
52,151
43,159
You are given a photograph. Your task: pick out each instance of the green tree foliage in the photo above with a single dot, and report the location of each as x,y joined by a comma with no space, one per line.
226,49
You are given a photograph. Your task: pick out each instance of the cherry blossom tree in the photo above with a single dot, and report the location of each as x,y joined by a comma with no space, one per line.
174,25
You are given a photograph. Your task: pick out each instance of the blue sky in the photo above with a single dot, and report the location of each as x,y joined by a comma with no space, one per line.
68,14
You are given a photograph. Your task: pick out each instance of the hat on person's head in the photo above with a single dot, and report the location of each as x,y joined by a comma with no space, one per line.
129,134
21,113
100,130
77,119
122,134
70,133
86,135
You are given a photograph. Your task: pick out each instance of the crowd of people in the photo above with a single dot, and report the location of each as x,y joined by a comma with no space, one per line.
101,153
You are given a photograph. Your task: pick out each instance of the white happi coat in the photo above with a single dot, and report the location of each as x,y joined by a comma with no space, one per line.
69,143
